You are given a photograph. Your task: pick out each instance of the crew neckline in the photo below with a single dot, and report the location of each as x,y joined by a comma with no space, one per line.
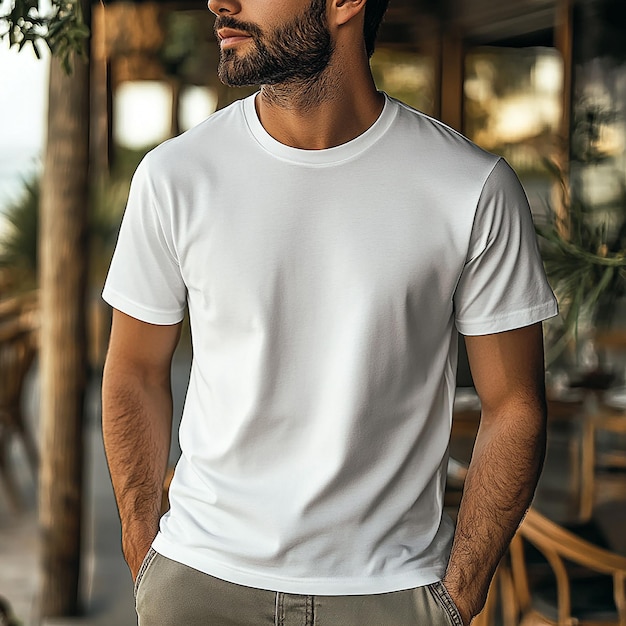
326,156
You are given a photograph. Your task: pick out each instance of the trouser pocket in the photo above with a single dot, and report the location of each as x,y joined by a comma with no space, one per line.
144,567
441,595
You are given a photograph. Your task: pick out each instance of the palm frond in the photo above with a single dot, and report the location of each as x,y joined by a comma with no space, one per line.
584,255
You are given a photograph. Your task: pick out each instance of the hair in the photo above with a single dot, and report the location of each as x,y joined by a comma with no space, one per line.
374,11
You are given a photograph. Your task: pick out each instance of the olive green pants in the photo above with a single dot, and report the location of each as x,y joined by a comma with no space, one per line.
171,594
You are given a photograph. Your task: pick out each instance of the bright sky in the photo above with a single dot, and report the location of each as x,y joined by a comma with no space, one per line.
23,97
142,112
23,80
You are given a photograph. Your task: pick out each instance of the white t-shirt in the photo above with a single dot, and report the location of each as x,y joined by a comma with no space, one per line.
323,288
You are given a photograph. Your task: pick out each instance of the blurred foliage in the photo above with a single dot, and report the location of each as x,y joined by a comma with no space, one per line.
126,162
62,29
584,253
181,42
108,198
7,618
19,244
589,120
408,76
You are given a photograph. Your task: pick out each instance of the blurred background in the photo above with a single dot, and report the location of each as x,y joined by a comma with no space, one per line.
541,82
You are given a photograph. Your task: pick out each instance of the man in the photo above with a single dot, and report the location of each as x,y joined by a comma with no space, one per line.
327,242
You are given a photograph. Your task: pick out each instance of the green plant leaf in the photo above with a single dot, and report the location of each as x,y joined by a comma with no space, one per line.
585,263
63,30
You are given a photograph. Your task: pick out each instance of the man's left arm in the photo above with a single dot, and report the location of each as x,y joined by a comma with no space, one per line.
508,373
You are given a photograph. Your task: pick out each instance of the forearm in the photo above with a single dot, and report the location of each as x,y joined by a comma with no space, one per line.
506,463
136,423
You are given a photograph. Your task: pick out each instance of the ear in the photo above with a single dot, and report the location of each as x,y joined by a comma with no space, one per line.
342,11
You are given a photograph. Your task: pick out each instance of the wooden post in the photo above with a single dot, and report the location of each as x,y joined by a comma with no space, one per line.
452,75
101,95
63,363
563,39
175,85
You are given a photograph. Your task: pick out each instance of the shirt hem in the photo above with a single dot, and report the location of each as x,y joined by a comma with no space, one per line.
303,586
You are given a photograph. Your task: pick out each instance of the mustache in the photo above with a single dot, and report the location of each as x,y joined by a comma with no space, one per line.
226,21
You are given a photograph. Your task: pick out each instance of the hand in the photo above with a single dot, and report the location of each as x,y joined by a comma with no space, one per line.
463,607
134,562
135,548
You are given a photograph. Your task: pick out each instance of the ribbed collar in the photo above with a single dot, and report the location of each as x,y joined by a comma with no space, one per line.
328,156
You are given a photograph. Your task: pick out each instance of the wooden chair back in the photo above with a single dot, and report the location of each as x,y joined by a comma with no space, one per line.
605,420
560,546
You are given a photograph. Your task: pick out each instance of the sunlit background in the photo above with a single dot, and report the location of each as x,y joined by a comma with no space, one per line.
492,70
512,105
142,111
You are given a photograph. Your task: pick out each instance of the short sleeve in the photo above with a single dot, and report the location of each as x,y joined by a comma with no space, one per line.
144,279
503,285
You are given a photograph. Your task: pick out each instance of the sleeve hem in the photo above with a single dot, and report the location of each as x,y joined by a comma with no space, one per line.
140,312
511,321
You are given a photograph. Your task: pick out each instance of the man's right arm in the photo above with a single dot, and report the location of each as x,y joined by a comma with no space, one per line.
136,424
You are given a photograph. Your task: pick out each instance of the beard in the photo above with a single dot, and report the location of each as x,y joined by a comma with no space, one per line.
298,51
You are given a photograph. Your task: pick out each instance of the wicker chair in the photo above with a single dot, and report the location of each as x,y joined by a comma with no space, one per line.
18,346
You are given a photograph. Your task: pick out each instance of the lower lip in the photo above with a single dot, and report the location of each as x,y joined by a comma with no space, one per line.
232,41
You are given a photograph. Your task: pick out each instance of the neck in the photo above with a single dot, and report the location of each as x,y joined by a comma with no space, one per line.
320,113
303,96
